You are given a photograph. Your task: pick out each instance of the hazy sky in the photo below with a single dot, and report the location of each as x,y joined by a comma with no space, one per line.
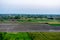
30,6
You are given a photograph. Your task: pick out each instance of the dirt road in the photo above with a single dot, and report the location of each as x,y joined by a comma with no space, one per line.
28,27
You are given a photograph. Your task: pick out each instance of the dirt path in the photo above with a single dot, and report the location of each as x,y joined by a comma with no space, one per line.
27,27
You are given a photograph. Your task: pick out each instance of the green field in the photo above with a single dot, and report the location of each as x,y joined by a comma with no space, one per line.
45,35
54,24
15,36
33,20
29,35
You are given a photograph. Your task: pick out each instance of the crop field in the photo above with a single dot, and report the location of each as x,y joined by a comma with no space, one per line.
45,35
49,22
29,35
57,22
15,36
54,24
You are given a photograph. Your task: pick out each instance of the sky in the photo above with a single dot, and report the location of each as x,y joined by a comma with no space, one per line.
29,6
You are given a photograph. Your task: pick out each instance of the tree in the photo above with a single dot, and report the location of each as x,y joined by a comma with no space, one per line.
17,17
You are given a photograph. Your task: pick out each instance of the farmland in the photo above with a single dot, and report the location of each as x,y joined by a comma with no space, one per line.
25,18
29,35
29,22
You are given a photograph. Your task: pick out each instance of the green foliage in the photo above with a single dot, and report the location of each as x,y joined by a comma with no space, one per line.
1,37
17,17
54,24
30,36
45,35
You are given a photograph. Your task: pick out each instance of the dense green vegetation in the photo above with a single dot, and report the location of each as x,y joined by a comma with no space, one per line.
45,35
29,35
14,36
54,24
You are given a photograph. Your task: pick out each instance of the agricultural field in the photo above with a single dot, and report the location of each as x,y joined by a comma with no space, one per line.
54,24
32,20
14,36
45,35
53,20
29,35
41,21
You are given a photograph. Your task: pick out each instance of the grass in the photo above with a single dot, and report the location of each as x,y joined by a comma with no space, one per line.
54,24
45,35
30,36
32,21
16,36
50,22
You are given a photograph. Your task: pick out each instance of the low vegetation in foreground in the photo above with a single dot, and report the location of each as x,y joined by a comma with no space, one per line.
29,35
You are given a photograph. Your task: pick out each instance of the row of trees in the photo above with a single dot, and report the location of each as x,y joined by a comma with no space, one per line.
19,17
10,17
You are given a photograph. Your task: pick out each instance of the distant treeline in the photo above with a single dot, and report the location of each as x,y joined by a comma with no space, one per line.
18,16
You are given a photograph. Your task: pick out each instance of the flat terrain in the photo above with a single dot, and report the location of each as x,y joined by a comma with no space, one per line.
29,35
18,27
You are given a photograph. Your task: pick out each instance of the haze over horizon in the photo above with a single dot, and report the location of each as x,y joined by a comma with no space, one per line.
30,6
